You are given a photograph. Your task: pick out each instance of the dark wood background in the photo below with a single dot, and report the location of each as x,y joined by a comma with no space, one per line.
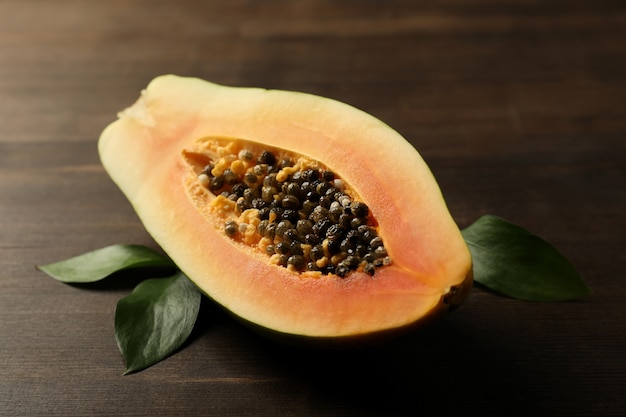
519,107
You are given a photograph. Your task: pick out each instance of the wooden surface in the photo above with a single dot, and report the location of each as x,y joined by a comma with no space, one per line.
519,107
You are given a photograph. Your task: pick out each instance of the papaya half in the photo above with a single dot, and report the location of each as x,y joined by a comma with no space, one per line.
299,214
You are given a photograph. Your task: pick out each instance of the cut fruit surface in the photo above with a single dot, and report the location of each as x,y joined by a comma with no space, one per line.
158,152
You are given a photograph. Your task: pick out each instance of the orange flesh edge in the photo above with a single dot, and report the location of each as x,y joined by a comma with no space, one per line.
142,152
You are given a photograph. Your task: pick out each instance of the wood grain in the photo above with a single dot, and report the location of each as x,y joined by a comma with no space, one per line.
518,107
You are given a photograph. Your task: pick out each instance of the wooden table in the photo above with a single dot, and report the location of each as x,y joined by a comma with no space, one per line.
518,107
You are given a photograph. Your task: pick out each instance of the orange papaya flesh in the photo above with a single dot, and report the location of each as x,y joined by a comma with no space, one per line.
155,149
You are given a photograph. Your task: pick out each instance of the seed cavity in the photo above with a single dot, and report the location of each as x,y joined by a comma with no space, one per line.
293,209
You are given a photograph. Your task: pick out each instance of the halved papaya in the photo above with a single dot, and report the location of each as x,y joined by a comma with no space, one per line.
172,152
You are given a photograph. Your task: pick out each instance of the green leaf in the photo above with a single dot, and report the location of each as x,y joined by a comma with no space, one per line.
100,263
510,260
155,320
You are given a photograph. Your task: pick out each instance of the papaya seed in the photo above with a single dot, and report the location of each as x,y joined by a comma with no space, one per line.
369,269
216,183
260,169
359,209
297,261
295,248
376,242
204,179
230,177
250,178
290,202
207,170
231,228
245,155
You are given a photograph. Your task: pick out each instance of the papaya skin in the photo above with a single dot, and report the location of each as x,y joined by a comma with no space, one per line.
143,152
